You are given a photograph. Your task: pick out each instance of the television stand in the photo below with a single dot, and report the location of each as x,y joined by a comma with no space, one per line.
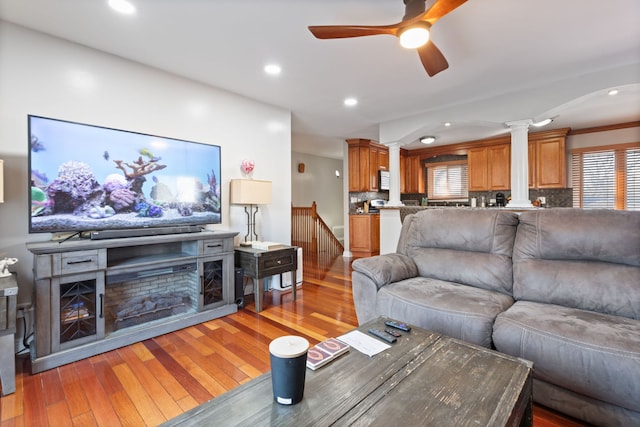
85,291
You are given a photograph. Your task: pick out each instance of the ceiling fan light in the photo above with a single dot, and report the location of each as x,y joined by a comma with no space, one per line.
414,37
428,139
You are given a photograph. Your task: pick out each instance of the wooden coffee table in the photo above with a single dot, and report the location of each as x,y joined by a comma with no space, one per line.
425,378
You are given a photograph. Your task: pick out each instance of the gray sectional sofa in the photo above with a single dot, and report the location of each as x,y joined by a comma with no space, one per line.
559,287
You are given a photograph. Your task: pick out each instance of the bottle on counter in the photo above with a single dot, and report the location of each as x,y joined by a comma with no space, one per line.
483,202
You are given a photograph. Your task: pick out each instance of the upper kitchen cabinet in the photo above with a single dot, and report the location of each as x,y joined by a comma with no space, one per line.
489,167
490,162
547,159
413,174
366,158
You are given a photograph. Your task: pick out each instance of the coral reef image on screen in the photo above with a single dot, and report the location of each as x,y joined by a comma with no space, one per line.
85,177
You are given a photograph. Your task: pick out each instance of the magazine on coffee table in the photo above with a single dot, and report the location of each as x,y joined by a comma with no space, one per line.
324,352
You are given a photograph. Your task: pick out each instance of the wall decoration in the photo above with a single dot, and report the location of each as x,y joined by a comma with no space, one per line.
247,167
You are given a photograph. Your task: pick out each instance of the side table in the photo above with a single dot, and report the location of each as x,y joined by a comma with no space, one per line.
259,264
8,305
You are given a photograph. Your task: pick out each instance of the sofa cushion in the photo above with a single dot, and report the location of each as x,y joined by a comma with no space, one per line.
455,310
471,247
586,259
593,354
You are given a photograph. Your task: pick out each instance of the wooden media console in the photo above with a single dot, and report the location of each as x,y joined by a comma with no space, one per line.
93,296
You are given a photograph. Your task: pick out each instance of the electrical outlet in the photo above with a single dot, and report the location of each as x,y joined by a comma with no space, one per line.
542,200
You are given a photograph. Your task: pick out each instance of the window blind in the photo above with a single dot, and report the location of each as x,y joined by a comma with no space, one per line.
606,178
447,181
632,190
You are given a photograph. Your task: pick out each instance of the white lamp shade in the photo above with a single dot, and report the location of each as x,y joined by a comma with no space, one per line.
1,181
250,192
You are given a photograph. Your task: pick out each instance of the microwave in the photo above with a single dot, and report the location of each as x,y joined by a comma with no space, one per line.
383,180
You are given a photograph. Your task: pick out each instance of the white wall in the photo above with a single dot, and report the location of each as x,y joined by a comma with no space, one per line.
594,139
318,183
50,77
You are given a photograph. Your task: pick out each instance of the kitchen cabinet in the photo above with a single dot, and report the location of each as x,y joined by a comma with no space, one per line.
499,167
366,158
383,159
364,235
477,160
358,168
489,167
547,162
413,175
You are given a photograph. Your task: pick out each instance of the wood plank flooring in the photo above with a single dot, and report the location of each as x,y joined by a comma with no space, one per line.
147,383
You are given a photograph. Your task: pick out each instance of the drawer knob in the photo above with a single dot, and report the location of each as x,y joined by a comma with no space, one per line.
279,261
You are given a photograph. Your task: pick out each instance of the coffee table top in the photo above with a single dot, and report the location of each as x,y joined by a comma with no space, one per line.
425,378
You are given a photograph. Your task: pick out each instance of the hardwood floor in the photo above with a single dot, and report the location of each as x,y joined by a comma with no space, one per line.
147,383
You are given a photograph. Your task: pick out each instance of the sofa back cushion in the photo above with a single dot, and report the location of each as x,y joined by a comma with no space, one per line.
586,259
468,246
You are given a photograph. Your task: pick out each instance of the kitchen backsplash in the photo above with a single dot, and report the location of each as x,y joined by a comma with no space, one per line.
555,198
356,200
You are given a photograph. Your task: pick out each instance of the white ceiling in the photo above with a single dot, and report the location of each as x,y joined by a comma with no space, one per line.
508,60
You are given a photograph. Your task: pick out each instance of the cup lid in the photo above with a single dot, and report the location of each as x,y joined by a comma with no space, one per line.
288,346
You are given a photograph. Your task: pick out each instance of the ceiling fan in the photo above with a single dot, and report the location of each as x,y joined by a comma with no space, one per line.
413,31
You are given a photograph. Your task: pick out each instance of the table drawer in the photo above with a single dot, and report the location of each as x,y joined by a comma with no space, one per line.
276,263
216,246
75,262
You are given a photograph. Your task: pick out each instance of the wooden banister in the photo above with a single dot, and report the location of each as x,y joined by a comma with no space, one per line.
311,233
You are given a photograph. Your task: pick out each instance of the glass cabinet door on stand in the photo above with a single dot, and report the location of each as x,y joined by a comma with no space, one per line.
211,286
78,317
213,291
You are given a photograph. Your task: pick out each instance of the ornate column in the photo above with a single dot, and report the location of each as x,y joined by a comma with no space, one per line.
519,164
394,173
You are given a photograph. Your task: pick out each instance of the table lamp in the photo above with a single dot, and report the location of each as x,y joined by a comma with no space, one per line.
250,192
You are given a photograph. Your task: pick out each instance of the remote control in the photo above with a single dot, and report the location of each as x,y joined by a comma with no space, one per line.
398,325
393,332
383,335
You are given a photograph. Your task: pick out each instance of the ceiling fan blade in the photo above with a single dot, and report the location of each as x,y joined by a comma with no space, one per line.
432,59
439,9
345,31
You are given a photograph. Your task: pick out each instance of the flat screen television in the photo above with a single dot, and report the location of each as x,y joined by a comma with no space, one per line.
92,178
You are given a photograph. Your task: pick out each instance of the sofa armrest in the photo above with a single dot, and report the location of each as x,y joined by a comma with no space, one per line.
387,268
371,274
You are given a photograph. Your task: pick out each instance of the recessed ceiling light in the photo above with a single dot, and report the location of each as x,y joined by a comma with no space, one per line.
123,6
447,124
428,139
273,69
350,102
542,123
613,92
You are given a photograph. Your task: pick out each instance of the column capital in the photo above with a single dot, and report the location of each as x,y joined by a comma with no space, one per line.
393,144
519,124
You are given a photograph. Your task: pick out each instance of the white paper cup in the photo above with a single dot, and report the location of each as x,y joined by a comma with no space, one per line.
288,368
